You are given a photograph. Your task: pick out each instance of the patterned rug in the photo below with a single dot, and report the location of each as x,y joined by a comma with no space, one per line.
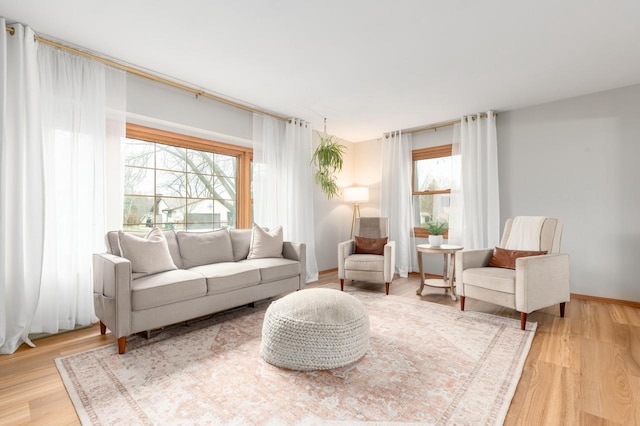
427,364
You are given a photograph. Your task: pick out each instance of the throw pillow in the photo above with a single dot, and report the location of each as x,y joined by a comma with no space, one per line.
370,245
503,258
241,242
265,244
148,255
205,248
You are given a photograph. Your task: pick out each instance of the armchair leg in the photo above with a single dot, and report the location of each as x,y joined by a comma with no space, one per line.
122,341
523,320
387,284
462,303
103,328
341,284
562,305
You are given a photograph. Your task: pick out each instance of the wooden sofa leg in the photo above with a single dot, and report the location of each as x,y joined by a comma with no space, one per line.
523,320
122,341
341,284
103,328
387,284
562,305
462,303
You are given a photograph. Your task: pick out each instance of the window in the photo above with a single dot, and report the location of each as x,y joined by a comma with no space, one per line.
184,183
431,186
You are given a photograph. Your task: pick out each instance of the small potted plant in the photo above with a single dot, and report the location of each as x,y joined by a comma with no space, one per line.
436,229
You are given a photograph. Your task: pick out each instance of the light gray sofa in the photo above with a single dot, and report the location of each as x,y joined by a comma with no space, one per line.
213,274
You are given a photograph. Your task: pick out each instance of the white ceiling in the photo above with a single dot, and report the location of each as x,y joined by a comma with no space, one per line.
368,66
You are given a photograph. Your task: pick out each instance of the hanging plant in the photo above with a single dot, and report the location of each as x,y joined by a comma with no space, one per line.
327,159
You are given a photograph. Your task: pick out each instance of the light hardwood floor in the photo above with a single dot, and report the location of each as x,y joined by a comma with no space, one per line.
583,369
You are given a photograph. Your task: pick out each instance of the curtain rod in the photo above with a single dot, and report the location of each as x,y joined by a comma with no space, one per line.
438,125
149,76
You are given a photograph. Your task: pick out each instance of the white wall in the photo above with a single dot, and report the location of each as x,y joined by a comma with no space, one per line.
164,107
368,170
577,160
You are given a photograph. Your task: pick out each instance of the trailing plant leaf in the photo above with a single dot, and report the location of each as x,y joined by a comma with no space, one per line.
327,159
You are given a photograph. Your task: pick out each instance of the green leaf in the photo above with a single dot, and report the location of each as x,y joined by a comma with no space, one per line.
328,161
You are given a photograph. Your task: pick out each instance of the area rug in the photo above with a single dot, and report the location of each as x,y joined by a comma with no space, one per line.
427,364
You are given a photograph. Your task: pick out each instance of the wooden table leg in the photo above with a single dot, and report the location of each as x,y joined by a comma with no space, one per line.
451,275
445,272
419,290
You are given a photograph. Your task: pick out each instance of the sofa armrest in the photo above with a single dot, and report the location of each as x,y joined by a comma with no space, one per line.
345,249
542,281
297,251
389,261
112,292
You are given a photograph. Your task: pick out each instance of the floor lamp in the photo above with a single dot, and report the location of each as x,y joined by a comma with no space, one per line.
356,195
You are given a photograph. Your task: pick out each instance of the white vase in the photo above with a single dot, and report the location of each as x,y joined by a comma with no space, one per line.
435,240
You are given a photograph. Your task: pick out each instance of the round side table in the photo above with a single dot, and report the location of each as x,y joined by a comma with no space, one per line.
447,281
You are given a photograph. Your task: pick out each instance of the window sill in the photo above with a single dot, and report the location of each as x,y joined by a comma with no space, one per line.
420,232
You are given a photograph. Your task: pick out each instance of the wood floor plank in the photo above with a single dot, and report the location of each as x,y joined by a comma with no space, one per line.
583,369
591,420
561,346
631,315
605,387
547,395
597,322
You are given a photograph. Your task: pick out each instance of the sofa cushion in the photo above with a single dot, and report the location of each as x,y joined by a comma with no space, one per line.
272,268
265,243
147,255
204,248
498,279
241,242
227,276
165,288
364,262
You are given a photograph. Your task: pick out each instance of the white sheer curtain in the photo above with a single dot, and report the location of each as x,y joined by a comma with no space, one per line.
395,197
476,203
21,187
283,181
83,116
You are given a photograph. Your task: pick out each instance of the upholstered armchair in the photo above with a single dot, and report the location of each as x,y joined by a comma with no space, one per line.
371,259
536,282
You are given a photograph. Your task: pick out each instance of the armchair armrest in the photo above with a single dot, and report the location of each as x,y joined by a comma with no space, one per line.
297,251
542,281
389,261
345,249
465,259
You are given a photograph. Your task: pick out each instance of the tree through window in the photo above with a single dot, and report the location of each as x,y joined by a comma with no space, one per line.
175,187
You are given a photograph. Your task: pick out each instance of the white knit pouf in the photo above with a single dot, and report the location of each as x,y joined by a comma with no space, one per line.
315,329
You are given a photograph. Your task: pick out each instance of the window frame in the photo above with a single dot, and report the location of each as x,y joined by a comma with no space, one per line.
426,154
244,156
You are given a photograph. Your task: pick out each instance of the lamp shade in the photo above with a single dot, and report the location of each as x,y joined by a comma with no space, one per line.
356,194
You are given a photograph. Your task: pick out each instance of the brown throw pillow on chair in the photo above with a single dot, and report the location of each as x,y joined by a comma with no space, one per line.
503,258
370,245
